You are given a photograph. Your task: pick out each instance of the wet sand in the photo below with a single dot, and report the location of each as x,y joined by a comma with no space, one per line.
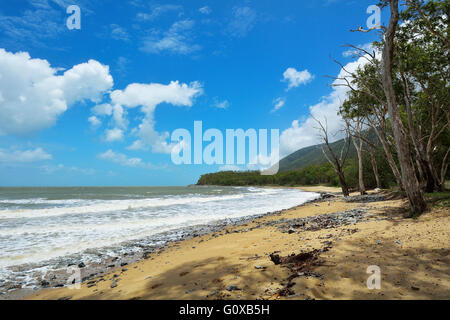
235,263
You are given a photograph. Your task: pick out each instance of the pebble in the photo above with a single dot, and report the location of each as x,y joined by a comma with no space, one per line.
232,288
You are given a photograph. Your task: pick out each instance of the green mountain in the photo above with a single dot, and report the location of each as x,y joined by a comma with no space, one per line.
312,156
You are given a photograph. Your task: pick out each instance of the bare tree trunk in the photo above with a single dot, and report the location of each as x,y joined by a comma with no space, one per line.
373,160
421,174
444,169
337,161
343,182
424,167
412,187
390,159
362,187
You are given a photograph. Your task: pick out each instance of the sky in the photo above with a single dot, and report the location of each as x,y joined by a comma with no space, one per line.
96,105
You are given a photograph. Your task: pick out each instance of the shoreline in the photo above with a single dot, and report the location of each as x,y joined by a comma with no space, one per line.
157,243
238,261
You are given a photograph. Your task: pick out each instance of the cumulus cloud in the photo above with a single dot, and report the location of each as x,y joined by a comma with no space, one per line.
24,156
278,104
115,134
150,95
225,104
302,134
94,121
104,109
176,40
353,52
33,95
296,78
122,159
147,97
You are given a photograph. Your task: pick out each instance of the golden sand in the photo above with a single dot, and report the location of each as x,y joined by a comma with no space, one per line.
412,255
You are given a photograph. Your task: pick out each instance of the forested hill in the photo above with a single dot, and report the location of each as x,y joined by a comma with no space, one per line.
307,166
312,156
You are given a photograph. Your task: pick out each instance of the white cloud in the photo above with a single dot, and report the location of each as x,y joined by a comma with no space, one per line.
23,156
302,134
225,104
94,121
119,33
148,97
242,22
205,10
296,78
102,109
176,40
351,52
51,169
158,11
122,159
112,135
229,167
34,96
278,104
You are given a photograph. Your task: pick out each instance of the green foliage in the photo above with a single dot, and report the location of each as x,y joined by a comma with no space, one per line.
316,174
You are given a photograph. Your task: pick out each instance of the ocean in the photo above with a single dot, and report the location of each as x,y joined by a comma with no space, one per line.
44,229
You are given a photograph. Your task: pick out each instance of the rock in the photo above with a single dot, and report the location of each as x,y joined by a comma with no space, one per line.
123,264
379,242
232,288
45,283
259,267
398,242
81,265
327,195
65,298
291,231
213,293
415,288
113,285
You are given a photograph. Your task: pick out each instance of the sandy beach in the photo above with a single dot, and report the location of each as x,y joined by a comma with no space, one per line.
240,262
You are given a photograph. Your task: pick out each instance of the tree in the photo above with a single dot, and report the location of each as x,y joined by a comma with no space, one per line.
355,128
422,65
366,99
337,161
409,179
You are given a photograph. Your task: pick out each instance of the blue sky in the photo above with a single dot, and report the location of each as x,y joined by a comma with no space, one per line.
96,106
